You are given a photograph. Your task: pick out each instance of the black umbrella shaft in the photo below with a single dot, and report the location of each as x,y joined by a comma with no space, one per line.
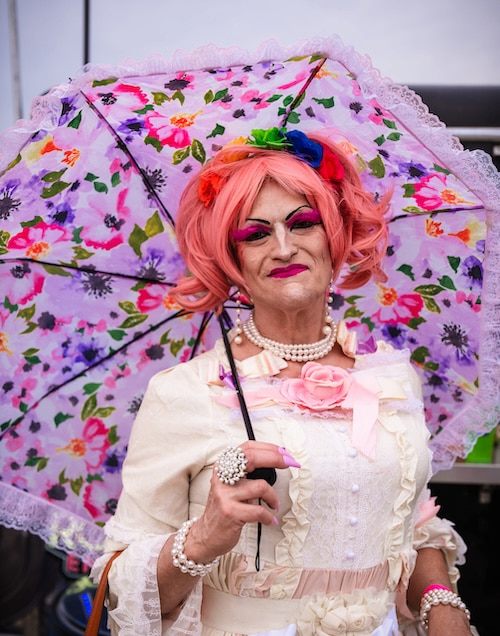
86,31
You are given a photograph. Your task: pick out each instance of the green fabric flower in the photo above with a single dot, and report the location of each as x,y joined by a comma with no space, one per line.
272,139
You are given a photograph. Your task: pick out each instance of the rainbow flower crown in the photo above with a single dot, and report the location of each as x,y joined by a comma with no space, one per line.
314,153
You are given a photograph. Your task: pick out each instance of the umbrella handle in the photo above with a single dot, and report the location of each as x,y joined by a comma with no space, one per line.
269,474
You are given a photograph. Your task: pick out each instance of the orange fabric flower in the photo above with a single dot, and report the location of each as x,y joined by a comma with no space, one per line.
210,185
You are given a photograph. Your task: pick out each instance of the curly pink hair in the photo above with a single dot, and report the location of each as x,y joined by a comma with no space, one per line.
353,221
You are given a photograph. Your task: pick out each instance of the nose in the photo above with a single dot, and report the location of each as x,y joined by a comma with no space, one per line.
284,246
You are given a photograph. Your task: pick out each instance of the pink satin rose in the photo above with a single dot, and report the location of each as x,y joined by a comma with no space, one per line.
319,387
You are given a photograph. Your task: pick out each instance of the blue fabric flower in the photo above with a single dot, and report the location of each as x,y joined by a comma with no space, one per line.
304,148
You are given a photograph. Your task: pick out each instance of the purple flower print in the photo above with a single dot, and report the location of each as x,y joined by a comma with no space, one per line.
472,270
9,203
396,334
412,169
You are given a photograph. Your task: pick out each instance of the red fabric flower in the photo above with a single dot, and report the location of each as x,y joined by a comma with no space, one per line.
330,168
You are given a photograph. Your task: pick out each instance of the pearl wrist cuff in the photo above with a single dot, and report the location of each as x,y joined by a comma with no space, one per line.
180,560
438,596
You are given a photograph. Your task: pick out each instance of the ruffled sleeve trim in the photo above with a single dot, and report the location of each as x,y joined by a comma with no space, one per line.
133,597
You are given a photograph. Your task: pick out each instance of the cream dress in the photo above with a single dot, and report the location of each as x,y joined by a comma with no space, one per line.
340,559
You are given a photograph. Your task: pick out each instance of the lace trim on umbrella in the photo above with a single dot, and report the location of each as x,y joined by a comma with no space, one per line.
58,528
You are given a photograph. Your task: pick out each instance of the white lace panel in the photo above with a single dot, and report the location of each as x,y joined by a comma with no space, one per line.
352,499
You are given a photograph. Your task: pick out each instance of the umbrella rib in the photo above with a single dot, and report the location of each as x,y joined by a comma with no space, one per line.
123,146
79,268
435,212
203,325
111,355
298,97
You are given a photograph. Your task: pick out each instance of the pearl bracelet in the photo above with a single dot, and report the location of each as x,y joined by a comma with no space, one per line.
180,560
438,596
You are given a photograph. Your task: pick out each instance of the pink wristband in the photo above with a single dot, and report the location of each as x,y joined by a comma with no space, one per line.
435,586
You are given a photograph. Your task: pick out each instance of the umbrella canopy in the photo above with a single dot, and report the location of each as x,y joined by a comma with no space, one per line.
88,196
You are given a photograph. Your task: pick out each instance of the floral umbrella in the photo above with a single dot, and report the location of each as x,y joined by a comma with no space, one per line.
89,190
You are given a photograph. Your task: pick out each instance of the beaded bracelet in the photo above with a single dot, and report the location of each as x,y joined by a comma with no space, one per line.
437,595
180,560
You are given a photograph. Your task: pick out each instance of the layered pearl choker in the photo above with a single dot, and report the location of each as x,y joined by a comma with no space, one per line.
294,352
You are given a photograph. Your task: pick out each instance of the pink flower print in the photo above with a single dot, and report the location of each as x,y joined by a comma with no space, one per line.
25,394
88,327
104,232
24,285
91,447
185,355
116,166
128,97
227,76
116,374
258,99
428,191
471,300
319,387
379,115
97,499
300,77
19,482
38,241
356,90
147,301
397,309
13,441
170,130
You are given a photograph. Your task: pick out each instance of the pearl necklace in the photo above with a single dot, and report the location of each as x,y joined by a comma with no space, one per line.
293,352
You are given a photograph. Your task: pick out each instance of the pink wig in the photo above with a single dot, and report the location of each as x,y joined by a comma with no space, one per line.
353,221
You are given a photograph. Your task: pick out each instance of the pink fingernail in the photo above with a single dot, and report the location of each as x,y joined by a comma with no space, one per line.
275,521
287,458
290,461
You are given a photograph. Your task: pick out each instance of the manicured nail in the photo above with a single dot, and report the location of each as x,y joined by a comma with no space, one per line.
276,522
287,458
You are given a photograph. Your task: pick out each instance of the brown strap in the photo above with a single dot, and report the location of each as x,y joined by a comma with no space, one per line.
94,621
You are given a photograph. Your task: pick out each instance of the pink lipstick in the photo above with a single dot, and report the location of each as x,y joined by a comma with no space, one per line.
286,272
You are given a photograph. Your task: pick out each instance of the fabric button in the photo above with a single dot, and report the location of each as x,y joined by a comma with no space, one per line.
353,521
342,429
353,452
355,488
350,555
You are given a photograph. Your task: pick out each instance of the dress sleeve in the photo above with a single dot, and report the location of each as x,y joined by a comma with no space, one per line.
439,533
168,446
